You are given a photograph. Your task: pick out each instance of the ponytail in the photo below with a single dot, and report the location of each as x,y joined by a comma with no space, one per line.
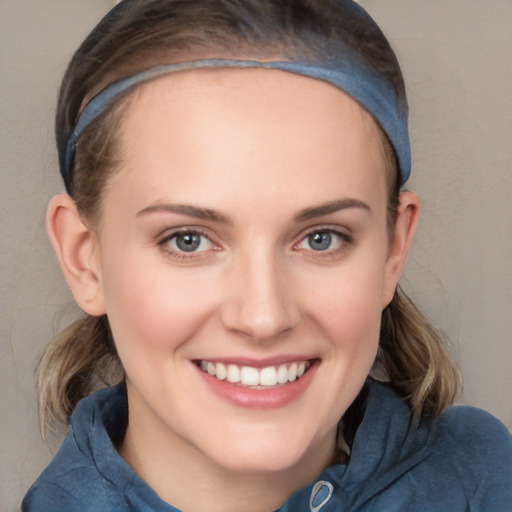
414,356
76,362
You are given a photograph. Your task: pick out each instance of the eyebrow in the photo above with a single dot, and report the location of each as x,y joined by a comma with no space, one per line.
188,210
216,216
330,207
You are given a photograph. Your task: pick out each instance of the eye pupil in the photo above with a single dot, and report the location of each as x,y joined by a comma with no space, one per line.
320,241
188,242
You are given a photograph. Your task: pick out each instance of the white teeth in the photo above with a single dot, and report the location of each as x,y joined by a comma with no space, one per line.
233,373
249,376
282,374
220,371
292,372
270,376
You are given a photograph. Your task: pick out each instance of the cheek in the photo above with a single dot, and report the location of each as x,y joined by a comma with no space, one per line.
151,309
348,309
346,314
349,304
354,328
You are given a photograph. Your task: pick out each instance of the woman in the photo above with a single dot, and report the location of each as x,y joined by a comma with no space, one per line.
235,228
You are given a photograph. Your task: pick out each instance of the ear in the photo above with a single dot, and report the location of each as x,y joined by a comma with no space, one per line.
78,253
401,239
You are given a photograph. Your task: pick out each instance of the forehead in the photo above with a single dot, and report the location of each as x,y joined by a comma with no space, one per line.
227,126
272,88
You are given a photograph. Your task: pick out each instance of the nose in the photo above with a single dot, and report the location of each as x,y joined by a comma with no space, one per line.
260,303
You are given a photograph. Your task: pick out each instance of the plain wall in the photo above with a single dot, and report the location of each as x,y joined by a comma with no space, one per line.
456,59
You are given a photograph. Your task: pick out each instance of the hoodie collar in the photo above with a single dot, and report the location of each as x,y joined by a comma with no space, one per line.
384,445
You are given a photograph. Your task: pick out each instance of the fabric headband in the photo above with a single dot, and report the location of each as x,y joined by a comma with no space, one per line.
373,92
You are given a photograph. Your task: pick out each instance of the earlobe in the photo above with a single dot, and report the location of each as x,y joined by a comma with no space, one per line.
78,253
403,233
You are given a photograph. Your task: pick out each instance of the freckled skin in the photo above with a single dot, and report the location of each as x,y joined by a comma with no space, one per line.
259,147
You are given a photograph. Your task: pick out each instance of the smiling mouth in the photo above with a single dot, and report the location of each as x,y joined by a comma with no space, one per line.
255,378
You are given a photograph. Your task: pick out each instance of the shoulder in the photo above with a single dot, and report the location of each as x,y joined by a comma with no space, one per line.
49,496
86,459
476,449
470,427
65,483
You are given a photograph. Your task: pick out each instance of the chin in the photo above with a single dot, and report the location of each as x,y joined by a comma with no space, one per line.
261,463
265,453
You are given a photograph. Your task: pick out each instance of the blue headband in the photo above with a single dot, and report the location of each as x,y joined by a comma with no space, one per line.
373,92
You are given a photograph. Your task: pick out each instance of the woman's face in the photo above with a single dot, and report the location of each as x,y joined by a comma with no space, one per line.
245,237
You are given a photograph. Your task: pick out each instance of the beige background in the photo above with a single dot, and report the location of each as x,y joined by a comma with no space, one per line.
456,55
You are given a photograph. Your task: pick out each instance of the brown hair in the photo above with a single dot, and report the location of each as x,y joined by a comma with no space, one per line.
138,34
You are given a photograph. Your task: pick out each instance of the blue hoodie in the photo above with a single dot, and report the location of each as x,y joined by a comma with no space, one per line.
461,461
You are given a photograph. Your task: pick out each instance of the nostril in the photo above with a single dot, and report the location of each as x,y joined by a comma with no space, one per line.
259,322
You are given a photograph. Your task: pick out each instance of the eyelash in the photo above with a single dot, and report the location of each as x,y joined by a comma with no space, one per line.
344,242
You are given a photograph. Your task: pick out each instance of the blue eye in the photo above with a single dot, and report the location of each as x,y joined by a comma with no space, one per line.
322,240
189,242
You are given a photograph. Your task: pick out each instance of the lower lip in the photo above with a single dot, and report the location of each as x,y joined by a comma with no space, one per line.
260,398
